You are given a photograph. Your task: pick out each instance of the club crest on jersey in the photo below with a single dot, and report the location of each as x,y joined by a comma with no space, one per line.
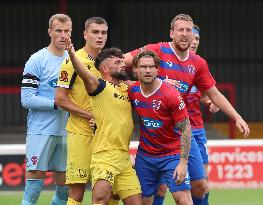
34,159
53,83
63,76
191,69
151,123
156,104
182,104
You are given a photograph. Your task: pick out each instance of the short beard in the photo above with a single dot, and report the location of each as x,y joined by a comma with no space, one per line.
119,75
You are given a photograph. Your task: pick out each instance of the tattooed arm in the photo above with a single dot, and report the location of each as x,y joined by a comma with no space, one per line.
181,170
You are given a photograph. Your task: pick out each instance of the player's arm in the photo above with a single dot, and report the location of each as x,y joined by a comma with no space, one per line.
223,104
185,128
29,89
128,59
185,144
207,102
63,101
91,82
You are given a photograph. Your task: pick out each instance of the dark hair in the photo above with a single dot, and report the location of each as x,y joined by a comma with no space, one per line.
146,53
107,53
97,20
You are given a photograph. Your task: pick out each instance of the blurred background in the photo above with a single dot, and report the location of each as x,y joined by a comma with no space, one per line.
231,41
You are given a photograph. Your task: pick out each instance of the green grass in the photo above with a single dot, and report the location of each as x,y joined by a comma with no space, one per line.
217,197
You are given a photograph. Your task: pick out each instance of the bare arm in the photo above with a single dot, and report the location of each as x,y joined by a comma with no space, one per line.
223,104
91,82
185,128
206,101
181,169
63,101
128,59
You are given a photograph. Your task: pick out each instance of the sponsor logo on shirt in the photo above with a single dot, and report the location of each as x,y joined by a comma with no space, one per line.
53,83
151,123
63,76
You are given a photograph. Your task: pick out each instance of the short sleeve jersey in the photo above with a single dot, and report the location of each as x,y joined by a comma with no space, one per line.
112,110
159,114
69,79
193,70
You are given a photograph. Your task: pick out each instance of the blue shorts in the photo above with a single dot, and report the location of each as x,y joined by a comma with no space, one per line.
200,138
46,152
150,169
195,162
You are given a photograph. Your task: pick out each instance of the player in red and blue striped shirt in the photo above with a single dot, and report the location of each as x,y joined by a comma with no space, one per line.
185,69
165,133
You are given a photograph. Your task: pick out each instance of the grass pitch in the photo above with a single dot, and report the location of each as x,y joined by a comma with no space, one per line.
217,197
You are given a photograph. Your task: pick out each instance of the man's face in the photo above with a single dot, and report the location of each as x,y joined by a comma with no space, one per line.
195,42
116,68
58,31
96,35
146,70
182,34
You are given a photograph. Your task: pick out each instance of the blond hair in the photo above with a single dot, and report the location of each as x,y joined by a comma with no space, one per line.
183,17
59,17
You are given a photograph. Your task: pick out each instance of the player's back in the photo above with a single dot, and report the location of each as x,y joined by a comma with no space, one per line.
113,114
77,92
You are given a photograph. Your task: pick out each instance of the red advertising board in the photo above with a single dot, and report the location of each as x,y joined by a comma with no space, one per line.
232,164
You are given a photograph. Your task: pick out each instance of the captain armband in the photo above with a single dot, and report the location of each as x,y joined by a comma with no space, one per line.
30,81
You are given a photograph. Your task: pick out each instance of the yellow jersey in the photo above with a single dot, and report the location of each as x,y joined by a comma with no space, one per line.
69,79
112,110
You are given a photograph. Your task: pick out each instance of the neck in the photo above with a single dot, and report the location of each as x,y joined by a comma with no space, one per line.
111,80
55,50
149,88
180,53
91,51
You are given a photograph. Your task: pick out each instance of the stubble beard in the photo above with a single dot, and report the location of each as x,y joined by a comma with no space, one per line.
120,75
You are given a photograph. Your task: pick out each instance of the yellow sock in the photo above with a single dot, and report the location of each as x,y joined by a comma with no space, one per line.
114,202
73,202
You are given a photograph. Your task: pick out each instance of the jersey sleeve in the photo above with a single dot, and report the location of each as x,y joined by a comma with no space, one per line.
204,80
29,87
67,75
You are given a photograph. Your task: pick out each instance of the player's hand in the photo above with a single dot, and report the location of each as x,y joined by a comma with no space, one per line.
242,127
174,83
92,124
69,46
213,108
180,172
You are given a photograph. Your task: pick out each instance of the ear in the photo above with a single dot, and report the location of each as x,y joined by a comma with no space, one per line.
85,35
104,69
171,34
49,32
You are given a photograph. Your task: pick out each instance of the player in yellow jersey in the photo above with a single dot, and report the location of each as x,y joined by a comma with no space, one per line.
72,96
111,167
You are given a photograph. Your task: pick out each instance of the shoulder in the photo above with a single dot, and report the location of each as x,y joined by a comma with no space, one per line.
196,58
